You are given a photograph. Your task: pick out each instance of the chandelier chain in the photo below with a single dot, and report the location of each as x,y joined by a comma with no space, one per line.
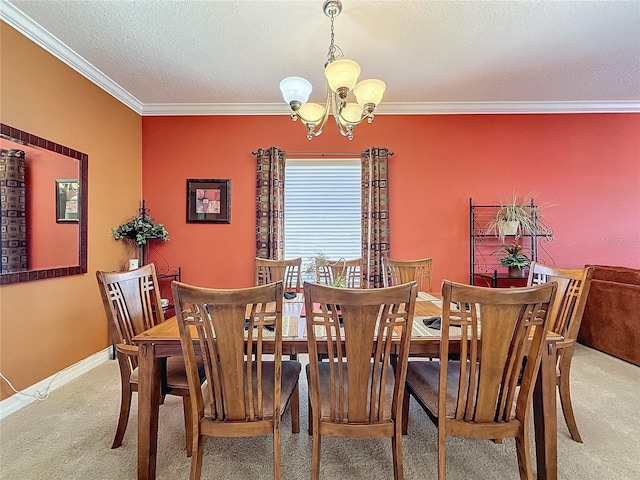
331,56
334,50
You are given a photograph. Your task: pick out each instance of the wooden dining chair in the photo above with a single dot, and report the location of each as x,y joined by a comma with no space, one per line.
245,393
356,392
289,272
481,395
397,272
342,273
566,316
132,304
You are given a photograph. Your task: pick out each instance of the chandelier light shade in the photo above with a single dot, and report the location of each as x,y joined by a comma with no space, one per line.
342,75
313,112
369,91
342,79
351,113
295,89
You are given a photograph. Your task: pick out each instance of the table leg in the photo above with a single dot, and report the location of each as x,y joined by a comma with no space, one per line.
545,416
148,406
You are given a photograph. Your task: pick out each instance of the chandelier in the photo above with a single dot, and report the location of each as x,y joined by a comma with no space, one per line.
342,75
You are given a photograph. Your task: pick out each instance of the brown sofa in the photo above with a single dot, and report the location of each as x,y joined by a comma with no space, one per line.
611,319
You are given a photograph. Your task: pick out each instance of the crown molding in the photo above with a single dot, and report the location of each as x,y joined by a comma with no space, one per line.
447,108
18,20
177,109
34,32
435,108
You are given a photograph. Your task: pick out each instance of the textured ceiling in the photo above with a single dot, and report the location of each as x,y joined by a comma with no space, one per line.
206,56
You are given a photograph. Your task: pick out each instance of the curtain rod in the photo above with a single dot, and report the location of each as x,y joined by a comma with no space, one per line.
329,154
324,154
318,154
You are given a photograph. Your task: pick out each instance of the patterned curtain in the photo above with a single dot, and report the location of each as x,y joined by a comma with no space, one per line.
375,214
13,218
270,203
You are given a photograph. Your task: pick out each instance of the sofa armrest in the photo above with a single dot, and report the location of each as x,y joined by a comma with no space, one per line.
611,319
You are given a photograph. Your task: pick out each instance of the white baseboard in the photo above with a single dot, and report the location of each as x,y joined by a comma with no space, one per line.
28,395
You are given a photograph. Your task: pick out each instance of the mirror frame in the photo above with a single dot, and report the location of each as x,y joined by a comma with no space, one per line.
26,138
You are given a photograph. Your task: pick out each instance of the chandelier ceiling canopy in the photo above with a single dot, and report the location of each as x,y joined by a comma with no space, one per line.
342,79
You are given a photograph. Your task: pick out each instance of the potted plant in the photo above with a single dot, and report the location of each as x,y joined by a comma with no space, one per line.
321,268
514,260
140,229
517,217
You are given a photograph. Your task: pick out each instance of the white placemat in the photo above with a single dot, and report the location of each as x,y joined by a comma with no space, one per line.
427,297
289,329
421,330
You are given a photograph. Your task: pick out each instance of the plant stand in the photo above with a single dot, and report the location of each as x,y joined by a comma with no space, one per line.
484,266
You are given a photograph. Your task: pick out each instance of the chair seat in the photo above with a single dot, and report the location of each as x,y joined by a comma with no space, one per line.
325,398
176,374
423,378
290,374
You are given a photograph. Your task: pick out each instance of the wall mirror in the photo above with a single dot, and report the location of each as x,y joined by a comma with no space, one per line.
43,213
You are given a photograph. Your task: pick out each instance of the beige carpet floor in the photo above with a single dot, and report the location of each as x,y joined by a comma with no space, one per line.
68,437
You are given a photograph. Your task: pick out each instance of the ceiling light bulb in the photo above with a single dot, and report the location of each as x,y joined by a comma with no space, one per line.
295,89
369,91
342,74
311,113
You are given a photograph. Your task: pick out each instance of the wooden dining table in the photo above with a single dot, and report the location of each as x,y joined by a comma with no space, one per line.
163,340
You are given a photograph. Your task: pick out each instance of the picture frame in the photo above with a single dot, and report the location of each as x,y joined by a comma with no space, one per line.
208,200
67,200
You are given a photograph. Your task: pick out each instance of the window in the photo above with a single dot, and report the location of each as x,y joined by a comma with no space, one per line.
322,208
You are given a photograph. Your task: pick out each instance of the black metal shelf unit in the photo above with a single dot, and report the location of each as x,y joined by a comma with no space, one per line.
165,277
484,265
165,273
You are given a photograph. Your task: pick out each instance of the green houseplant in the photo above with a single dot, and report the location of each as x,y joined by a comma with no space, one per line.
140,229
518,216
514,260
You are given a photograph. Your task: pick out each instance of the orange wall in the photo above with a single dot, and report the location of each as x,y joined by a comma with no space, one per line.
588,165
48,325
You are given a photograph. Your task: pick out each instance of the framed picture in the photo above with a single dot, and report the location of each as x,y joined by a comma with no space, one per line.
208,201
67,200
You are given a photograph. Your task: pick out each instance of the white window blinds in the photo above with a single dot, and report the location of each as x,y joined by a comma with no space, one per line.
322,208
